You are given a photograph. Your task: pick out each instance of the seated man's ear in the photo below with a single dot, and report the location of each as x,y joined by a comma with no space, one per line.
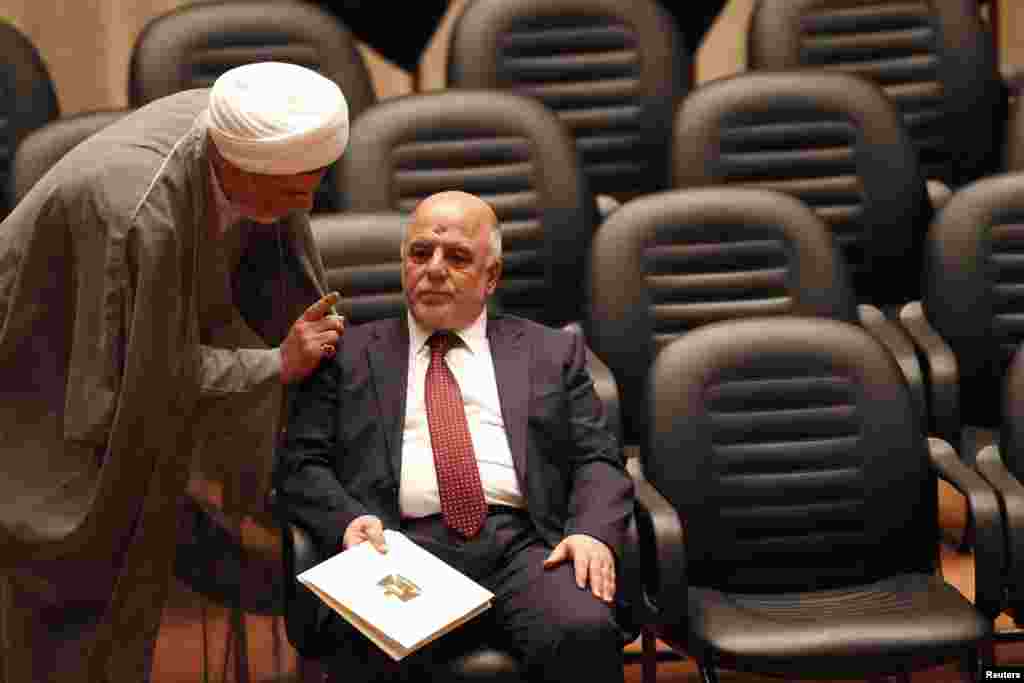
493,275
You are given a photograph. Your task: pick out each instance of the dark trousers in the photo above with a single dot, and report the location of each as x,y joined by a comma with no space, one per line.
559,632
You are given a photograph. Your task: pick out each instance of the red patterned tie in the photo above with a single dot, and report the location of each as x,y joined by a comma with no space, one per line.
458,478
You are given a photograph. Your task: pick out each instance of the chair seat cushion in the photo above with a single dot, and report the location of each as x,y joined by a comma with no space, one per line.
876,627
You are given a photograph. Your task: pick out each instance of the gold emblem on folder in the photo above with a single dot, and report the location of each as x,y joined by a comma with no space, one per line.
400,587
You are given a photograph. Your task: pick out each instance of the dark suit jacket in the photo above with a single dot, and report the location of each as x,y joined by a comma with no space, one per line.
342,457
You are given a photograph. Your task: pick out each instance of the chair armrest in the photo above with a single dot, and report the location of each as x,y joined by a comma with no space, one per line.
301,606
896,340
604,384
942,373
632,612
662,556
304,552
983,505
1011,498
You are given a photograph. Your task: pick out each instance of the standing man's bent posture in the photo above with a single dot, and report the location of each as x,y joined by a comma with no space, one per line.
159,287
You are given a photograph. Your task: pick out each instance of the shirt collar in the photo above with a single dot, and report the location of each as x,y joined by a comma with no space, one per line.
473,337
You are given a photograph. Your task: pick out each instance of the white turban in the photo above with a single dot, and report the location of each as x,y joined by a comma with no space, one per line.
276,118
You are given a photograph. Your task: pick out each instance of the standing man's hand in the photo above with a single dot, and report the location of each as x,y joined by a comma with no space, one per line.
313,337
592,560
365,528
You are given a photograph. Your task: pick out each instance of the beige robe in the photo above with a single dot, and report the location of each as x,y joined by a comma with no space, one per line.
107,375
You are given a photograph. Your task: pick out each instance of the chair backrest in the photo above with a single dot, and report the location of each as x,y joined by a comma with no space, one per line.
361,256
670,262
973,291
189,47
934,58
45,146
832,140
509,150
613,70
792,449
28,100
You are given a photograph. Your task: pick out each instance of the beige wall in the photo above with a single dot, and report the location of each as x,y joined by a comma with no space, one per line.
87,43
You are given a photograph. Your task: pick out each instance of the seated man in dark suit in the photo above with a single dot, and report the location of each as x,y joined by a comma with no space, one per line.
380,436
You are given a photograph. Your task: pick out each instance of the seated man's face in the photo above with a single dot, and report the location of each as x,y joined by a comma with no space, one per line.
448,270
266,198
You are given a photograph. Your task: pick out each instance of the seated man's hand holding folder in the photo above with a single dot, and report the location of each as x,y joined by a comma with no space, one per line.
400,599
365,528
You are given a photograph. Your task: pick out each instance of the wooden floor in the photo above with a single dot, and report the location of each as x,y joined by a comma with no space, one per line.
180,651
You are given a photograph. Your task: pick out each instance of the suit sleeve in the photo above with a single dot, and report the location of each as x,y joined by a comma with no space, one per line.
601,493
308,487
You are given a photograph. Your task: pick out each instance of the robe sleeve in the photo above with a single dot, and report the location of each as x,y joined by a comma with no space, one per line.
235,360
234,371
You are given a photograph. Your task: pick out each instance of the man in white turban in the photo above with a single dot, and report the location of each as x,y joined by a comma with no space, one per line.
159,291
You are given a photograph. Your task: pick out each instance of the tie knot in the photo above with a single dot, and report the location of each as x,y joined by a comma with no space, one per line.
442,342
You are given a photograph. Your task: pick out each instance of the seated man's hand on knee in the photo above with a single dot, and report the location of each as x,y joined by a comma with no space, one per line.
593,562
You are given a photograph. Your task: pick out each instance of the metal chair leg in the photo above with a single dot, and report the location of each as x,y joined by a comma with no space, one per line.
241,641
240,637
708,673
648,656
976,659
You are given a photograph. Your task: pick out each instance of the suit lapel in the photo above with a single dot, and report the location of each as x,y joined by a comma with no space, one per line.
511,356
389,366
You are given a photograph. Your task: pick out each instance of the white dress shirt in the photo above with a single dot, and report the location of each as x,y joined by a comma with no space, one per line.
473,368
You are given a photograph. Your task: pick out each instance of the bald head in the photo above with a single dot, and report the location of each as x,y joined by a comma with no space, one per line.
451,260
457,208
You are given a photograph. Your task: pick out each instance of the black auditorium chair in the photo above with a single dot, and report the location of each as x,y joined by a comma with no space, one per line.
45,146
1002,465
833,140
28,100
190,46
668,263
936,60
969,320
613,70
787,520
508,149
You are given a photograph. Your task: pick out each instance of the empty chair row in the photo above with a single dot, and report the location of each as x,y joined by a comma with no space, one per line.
514,152
613,71
834,140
